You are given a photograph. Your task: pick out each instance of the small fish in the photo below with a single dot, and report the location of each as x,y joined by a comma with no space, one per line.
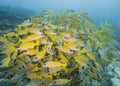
31,51
14,56
63,58
22,32
86,49
24,58
3,39
21,64
10,34
36,31
5,61
61,82
53,37
49,46
53,64
64,49
91,55
54,70
33,37
33,76
25,24
45,40
40,55
59,41
72,46
70,39
26,45
65,34
8,48
81,60
103,54
33,67
50,32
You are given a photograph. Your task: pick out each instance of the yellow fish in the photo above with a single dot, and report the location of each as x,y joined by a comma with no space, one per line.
24,58
91,55
53,37
50,32
5,61
59,41
72,46
49,48
53,64
86,49
61,82
33,37
14,56
33,67
26,45
63,59
22,32
33,76
8,48
31,51
65,34
40,55
81,60
64,49
45,40
3,39
70,39
54,70
10,34
21,64
103,54
24,24
36,30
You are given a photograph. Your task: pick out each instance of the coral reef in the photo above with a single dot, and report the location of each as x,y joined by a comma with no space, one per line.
64,49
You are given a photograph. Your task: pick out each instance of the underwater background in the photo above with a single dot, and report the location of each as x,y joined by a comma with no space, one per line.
59,42
98,10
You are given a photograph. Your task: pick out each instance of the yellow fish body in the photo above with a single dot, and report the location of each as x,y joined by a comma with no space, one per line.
53,64
31,51
36,31
26,45
61,82
82,60
45,40
33,37
64,49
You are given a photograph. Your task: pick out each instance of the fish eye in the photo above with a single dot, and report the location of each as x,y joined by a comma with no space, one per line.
40,31
36,57
48,48
48,40
71,50
54,31
54,81
77,47
25,51
42,34
44,63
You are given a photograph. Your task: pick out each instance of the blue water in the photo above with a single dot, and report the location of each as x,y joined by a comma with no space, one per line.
98,10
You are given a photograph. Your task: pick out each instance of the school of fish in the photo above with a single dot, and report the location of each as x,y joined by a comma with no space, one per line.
56,47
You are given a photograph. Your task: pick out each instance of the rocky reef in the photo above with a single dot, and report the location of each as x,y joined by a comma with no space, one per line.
10,17
65,49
